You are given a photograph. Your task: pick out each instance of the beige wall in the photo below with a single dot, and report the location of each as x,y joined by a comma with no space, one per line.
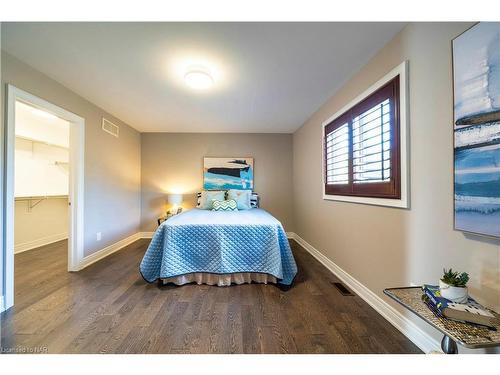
35,169
45,223
112,165
384,247
173,162
37,175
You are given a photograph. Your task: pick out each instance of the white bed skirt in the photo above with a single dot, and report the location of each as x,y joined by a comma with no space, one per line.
221,280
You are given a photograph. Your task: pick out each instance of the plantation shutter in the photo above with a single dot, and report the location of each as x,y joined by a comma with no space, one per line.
362,147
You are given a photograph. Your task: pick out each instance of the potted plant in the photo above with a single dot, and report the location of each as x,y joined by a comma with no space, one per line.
453,286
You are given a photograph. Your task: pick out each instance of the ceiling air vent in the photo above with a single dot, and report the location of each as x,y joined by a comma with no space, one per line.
110,128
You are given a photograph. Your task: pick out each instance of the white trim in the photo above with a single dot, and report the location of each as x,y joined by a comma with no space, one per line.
76,189
420,338
30,245
108,250
76,183
146,234
404,202
8,197
2,305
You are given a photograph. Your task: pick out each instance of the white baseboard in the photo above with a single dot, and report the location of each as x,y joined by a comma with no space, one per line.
146,234
30,245
108,250
420,338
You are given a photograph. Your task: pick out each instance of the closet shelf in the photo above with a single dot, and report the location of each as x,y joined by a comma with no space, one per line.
41,142
36,200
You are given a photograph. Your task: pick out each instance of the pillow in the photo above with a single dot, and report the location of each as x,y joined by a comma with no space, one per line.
198,197
207,197
229,205
242,198
255,200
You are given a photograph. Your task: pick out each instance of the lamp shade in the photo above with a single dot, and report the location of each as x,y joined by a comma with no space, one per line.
175,199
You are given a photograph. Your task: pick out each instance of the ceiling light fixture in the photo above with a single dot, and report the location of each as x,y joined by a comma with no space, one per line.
198,79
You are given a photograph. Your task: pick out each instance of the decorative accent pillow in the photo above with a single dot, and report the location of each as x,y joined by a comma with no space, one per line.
242,198
207,198
229,205
255,200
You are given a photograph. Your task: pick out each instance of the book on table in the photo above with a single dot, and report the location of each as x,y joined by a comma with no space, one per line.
470,312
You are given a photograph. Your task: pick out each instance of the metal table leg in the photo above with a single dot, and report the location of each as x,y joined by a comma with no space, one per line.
448,345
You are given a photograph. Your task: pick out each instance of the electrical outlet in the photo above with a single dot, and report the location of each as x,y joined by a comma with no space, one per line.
98,236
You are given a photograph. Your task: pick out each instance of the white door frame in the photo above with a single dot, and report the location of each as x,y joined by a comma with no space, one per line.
76,186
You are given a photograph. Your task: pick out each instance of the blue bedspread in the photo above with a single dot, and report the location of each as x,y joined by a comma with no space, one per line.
219,242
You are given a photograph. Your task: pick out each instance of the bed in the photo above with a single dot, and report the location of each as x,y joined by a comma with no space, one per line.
220,248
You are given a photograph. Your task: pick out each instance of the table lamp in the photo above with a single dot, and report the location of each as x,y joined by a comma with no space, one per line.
175,200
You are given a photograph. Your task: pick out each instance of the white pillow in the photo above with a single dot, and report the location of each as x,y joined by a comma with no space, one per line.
242,198
254,200
208,196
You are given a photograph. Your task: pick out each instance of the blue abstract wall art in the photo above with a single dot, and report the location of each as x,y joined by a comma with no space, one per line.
476,76
227,173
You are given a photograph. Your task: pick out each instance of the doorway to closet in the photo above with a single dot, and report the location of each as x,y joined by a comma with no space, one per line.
41,179
43,195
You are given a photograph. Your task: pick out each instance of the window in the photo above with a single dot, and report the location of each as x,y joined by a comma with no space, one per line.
362,147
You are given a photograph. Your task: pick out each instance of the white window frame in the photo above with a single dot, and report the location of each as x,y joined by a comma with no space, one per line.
404,132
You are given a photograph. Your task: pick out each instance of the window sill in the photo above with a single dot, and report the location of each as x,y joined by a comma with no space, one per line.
398,203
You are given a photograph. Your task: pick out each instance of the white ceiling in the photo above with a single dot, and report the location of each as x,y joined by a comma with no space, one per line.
269,77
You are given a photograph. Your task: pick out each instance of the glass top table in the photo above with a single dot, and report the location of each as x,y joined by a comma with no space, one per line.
468,335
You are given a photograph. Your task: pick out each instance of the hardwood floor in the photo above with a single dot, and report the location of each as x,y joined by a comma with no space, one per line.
108,308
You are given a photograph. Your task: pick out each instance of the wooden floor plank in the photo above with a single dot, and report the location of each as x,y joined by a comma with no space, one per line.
108,308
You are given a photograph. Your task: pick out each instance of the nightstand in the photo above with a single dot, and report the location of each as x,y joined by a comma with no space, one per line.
168,215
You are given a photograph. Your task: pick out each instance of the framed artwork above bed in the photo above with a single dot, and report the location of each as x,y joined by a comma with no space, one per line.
227,173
